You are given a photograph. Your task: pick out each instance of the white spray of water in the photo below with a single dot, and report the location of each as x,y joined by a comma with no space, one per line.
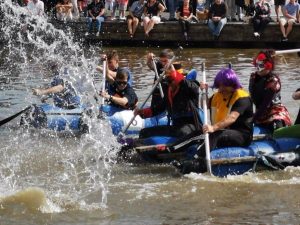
72,170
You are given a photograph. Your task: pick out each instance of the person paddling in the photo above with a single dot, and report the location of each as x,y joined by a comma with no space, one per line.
296,96
265,87
121,95
112,58
63,93
231,112
180,101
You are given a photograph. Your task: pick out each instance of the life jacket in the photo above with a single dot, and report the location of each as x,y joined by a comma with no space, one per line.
221,107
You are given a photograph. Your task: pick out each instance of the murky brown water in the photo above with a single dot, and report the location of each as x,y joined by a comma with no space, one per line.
47,178
75,186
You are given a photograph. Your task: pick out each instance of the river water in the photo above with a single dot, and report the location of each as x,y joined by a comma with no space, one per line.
49,178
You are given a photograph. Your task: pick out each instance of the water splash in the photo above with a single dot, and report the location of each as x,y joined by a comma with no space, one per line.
73,172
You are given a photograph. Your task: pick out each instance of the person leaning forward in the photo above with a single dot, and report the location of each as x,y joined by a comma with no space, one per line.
63,93
122,95
180,101
112,66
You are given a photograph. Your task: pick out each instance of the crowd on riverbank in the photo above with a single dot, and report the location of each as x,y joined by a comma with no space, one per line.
215,13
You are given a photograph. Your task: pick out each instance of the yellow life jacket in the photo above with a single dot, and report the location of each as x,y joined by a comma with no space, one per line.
221,107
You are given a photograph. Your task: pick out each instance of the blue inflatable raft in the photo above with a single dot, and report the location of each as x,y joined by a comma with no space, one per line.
47,116
278,152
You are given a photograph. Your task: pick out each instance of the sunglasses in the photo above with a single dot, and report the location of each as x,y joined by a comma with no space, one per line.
121,82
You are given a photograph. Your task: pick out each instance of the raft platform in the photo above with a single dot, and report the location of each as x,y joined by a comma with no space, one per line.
168,33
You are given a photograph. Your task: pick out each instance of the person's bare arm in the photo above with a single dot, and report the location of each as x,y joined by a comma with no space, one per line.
230,119
51,90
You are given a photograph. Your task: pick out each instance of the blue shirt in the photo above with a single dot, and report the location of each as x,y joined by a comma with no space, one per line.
292,9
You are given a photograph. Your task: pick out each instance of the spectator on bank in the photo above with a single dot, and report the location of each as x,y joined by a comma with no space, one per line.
75,11
36,7
81,5
134,17
64,10
116,7
152,11
262,17
49,6
122,8
279,4
172,6
109,6
217,18
291,16
231,10
185,15
202,10
96,12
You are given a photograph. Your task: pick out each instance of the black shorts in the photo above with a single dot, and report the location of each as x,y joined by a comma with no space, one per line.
279,2
130,17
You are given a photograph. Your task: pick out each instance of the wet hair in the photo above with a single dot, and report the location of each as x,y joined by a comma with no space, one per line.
228,78
122,74
113,55
166,53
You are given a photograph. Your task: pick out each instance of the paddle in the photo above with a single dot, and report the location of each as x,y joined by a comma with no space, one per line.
2,122
288,51
156,75
149,95
103,80
206,137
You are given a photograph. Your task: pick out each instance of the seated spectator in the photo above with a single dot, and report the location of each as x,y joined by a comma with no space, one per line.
296,96
64,10
116,7
109,6
279,4
122,95
36,7
185,15
261,17
152,11
135,14
291,16
75,11
122,8
217,18
201,11
96,12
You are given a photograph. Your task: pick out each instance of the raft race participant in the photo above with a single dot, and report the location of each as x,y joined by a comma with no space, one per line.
62,92
112,58
264,87
122,95
164,58
181,101
231,111
296,96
